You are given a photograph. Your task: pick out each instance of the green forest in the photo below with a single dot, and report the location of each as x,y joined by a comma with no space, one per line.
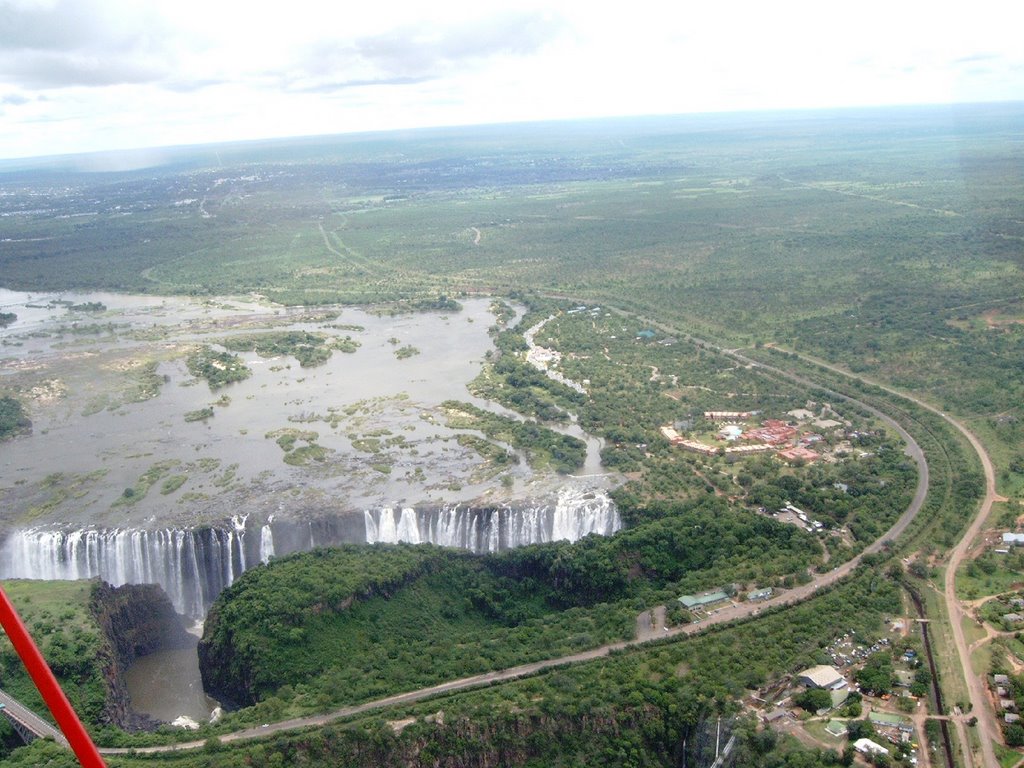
353,623
630,709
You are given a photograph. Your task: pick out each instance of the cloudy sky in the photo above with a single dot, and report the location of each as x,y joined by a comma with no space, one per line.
83,75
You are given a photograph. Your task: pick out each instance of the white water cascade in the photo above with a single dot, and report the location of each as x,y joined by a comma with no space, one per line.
573,515
266,542
194,565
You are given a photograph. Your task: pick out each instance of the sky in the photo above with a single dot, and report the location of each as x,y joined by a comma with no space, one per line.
90,75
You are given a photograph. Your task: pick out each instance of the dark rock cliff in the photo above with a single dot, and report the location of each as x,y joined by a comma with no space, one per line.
136,619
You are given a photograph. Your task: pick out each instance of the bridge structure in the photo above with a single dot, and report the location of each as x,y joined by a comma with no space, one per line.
27,723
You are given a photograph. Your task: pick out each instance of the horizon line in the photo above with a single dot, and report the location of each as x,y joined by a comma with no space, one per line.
28,162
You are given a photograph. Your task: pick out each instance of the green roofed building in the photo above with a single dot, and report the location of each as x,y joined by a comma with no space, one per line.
887,720
836,727
704,599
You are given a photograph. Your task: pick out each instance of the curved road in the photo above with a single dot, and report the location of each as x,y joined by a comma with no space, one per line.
975,685
731,613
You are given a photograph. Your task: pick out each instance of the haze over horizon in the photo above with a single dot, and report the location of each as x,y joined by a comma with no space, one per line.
100,75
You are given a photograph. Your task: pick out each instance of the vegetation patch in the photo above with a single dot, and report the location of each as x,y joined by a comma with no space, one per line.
173,483
309,349
57,615
57,488
147,479
201,414
288,439
218,368
303,455
543,447
359,622
496,459
991,574
13,419
89,306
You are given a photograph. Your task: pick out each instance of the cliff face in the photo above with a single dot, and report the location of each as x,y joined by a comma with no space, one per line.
136,619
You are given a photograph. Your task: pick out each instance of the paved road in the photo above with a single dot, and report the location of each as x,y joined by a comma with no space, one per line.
989,730
975,684
30,719
732,612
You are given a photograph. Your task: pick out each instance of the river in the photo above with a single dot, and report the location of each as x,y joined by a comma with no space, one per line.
374,415
391,469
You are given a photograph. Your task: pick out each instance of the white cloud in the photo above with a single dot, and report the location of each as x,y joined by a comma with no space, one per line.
125,73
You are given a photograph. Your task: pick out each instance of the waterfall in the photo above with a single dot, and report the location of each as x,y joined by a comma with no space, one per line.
578,514
266,543
575,513
194,565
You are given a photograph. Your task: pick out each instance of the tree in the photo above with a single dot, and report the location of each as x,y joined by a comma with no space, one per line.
860,729
13,420
877,675
1014,733
813,699
918,569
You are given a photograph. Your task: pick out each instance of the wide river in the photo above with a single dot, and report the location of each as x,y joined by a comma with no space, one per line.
100,425
377,416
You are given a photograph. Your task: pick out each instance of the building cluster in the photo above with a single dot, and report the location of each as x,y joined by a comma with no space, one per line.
704,600
894,732
771,432
798,453
823,676
1003,691
718,416
696,446
785,439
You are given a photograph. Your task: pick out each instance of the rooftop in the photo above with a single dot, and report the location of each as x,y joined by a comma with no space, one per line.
705,598
886,718
836,727
823,676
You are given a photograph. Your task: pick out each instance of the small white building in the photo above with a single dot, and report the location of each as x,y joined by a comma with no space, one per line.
869,747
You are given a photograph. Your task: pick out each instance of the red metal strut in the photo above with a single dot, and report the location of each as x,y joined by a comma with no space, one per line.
47,684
